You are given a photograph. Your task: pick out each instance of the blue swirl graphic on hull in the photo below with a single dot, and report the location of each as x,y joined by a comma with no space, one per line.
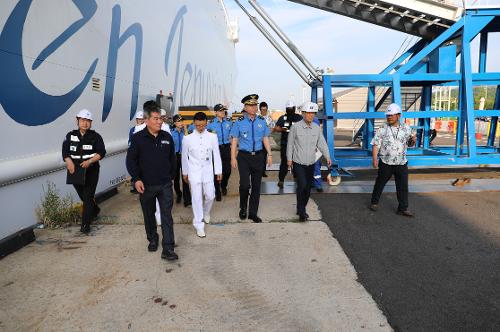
20,99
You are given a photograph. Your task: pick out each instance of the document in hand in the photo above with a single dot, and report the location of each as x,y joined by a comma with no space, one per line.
78,177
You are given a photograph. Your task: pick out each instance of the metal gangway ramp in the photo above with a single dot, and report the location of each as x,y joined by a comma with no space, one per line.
442,57
423,18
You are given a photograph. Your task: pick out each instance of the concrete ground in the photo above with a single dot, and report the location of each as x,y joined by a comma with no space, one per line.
241,277
280,275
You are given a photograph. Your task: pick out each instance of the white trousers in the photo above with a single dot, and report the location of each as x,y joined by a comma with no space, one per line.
200,208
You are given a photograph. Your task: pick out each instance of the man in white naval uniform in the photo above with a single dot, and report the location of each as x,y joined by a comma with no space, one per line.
200,161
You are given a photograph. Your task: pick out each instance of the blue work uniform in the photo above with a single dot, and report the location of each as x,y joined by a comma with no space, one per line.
191,128
223,131
250,134
185,193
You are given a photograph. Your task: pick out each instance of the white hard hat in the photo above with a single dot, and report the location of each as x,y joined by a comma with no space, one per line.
85,114
393,109
139,115
290,104
163,112
309,107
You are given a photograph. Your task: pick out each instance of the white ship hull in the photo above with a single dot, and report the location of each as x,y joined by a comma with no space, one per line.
59,56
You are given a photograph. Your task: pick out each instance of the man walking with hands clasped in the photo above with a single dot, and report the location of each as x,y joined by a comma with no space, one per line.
304,139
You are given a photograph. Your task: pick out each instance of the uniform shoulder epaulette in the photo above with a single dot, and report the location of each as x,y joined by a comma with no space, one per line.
241,118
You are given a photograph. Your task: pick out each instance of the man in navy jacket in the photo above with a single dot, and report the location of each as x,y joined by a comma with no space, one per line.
151,162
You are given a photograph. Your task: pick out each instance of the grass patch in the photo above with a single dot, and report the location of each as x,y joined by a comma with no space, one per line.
55,211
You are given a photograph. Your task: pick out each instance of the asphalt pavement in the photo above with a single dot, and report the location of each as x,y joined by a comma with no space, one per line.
437,272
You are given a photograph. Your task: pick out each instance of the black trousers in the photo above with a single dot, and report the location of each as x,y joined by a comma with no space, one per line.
250,168
185,193
400,173
283,164
304,175
265,163
225,156
86,193
164,195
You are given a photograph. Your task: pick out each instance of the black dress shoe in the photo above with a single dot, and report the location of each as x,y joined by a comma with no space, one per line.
218,197
224,191
319,189
255,219
153,246
305,214
169,255
186,204
303,217
178,199
243,214
85,229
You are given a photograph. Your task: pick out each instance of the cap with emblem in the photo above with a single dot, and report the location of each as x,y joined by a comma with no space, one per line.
163,112
309,107
252,99
177,118
393,109
139,115
219,107
85,114
290,104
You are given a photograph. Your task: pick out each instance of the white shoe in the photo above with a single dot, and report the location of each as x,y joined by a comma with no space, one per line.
206,219
200,233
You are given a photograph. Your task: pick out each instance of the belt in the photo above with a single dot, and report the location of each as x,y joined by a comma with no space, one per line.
225,144
253,153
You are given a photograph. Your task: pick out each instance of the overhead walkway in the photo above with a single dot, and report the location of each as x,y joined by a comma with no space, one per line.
423,18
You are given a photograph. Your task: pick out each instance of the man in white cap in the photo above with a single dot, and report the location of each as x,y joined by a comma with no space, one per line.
283,126
200,163
164,126
304,139
139,121
389,156
81,151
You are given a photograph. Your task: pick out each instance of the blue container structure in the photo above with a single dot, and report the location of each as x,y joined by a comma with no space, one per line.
426,64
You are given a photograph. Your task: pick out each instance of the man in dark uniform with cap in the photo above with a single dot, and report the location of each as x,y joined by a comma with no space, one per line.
222,127
178,132
252,134
283,126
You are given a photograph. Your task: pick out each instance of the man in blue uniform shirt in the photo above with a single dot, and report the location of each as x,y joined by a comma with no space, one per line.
178,134
252,134
222,127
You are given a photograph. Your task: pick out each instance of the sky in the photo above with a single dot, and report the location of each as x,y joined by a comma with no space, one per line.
328,40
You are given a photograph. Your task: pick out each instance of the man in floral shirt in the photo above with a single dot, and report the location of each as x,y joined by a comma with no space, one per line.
389,156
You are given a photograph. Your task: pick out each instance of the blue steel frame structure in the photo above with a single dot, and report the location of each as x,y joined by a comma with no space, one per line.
426,64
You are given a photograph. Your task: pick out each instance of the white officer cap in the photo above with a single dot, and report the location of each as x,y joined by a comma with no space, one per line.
163,112
290,104
309,107
393,109
139,115
85,114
